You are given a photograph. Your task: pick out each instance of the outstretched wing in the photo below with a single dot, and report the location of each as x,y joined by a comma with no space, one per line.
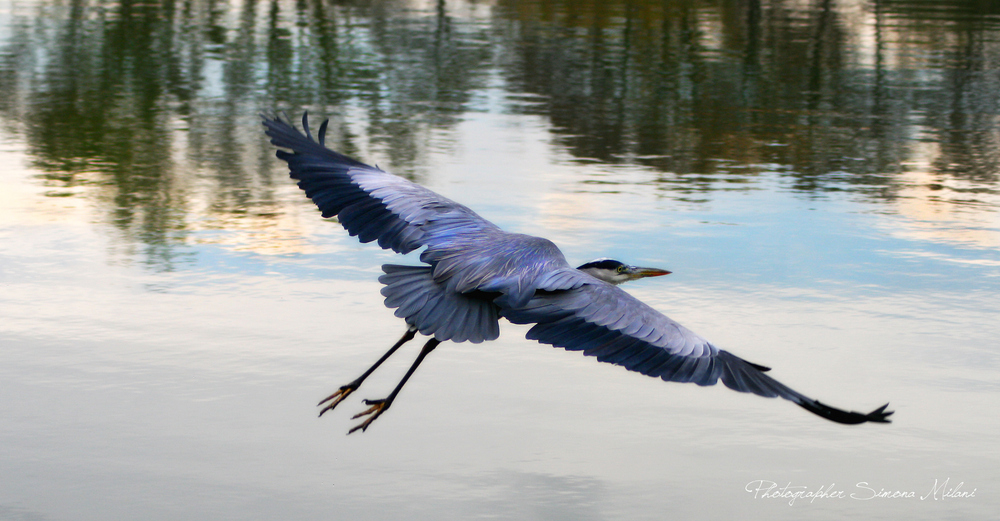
370,203
603,321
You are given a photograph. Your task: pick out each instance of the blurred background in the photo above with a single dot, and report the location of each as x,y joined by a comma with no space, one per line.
821,176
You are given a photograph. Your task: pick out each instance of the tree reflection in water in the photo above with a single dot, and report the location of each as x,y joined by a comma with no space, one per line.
150,107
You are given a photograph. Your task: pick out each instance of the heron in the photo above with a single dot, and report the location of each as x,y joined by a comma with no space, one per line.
473,273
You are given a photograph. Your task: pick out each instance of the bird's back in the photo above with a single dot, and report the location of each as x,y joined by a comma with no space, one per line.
512,265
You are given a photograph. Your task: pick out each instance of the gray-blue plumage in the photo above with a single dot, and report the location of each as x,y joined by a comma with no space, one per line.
475,273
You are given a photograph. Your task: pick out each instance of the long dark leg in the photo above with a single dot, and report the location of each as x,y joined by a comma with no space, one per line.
380,406
345,390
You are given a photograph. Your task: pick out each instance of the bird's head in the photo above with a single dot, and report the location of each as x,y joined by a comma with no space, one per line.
616,272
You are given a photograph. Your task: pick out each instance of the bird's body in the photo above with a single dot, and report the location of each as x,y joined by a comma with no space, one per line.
475,273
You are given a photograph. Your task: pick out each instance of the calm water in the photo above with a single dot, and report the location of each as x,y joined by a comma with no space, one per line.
822,177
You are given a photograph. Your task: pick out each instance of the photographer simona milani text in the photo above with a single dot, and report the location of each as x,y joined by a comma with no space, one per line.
862,491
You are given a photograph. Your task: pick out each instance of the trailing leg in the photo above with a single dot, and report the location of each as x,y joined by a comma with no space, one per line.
346,390
380,406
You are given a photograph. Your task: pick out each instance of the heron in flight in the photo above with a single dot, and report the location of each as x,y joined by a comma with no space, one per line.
475,273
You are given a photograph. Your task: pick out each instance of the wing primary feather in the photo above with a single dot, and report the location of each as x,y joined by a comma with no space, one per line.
305,125
322,132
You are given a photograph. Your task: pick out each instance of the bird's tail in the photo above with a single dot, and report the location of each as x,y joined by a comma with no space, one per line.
434,310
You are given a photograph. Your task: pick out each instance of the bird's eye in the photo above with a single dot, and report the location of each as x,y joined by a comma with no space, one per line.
621,269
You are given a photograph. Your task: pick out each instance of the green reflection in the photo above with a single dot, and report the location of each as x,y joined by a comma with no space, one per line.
680,85
151,105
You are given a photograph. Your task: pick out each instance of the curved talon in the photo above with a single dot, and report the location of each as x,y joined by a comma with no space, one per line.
337,397
376,409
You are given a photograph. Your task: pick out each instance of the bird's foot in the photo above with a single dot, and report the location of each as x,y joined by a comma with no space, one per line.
338,396
376,410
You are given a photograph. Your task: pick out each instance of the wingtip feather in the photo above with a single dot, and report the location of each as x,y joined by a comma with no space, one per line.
322,132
